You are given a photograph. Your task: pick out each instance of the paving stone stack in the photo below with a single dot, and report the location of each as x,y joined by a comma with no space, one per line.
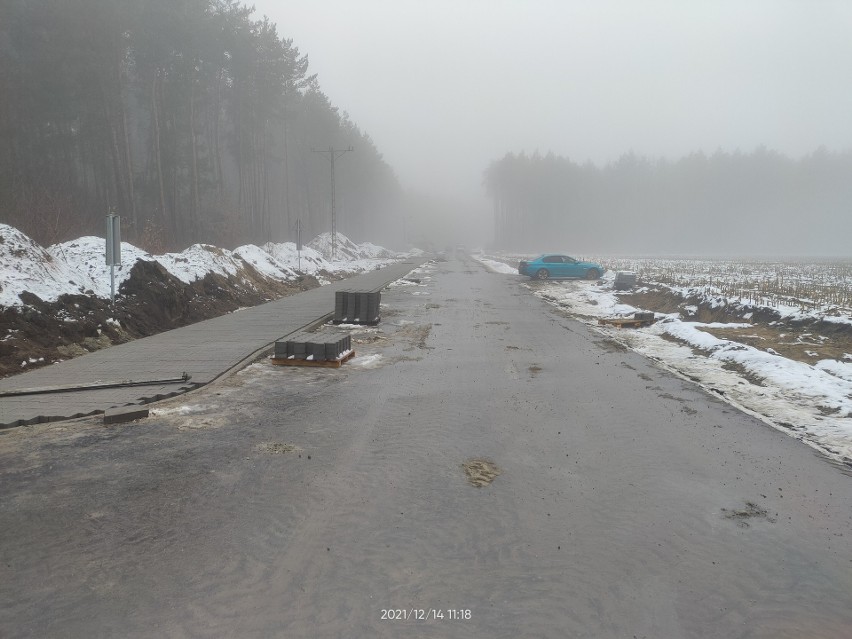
357,307
319,348
624,280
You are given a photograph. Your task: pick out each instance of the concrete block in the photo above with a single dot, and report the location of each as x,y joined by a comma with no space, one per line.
281,350
124,414
316,350
357,307
624,280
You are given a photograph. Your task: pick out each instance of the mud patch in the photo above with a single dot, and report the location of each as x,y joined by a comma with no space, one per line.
806,343
534,370
611,346
480,472
277,448
368,339
750,512
417,334
743,372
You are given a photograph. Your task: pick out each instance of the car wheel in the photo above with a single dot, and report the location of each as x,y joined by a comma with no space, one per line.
592,274
542,274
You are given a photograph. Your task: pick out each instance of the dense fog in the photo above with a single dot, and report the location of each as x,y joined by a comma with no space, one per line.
714,127
606,127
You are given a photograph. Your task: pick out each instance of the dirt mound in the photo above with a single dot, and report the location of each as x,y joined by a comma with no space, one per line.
697,309
150,301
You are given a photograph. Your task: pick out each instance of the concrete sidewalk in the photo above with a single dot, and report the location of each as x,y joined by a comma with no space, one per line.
204,350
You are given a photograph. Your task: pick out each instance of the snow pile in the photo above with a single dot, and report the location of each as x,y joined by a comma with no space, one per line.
345,248
264,263
78,266
310,262
199,259
495,266
843,370
348,251
86,255
375,252
798,381
26,266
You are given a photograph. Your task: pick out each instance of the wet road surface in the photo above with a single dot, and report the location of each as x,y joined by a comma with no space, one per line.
621,500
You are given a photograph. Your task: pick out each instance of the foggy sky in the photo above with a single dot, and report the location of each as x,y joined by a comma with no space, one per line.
445,86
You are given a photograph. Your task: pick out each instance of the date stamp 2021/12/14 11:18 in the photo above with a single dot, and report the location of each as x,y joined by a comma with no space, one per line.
426,614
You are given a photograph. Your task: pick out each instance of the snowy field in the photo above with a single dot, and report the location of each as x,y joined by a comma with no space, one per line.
809,401
78,266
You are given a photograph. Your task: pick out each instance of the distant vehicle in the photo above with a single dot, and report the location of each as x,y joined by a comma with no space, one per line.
555,266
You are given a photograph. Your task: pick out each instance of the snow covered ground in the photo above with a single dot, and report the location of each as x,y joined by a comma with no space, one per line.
78,266
812,402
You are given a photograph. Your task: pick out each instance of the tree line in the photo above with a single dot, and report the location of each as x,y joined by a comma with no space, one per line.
725,203
191,119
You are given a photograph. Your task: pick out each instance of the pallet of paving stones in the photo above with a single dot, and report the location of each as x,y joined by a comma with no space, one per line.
313,350
336,363
357,307
638,320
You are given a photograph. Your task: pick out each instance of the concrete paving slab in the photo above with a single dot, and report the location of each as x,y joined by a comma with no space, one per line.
124,414
205,350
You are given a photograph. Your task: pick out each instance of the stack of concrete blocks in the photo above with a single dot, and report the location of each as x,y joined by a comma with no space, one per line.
316,348
357,307
624,280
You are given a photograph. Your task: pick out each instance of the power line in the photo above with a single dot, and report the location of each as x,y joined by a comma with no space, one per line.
333,154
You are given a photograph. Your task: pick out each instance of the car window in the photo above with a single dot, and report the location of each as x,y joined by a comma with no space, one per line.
551,259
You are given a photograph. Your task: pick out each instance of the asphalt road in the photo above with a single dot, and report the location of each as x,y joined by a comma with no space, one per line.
295,502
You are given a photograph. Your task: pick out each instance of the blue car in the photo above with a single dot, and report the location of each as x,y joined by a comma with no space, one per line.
552,265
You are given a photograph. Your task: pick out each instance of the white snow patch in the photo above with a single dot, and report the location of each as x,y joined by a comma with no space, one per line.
495,266
836,368
367,361
26,266
78,266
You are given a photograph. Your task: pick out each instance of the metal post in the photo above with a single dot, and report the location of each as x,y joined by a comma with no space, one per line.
333,213
299,243
113,250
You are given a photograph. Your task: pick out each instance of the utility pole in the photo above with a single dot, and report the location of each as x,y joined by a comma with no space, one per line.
333,154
